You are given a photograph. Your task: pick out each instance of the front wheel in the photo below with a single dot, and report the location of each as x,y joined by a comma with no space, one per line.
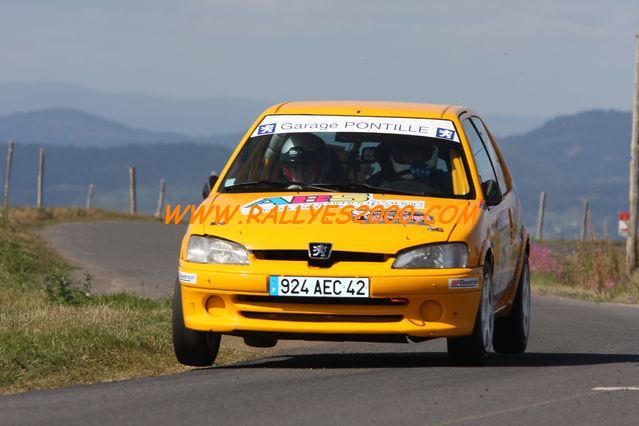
511,331
192,347
471,350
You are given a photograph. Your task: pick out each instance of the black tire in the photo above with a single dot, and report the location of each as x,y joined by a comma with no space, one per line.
471,350
512,331
192,347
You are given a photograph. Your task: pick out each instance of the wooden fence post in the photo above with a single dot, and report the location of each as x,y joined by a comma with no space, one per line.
633,190
89,205
584,222
40,179
540,216
134,204
7,181
158,211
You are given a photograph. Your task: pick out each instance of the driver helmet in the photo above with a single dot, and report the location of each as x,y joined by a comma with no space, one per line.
301,156
412,157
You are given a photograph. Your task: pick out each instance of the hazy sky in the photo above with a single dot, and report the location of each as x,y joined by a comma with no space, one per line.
535,57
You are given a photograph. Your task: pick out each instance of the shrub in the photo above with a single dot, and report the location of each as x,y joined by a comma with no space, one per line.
594,265
543,260
590,265
62,289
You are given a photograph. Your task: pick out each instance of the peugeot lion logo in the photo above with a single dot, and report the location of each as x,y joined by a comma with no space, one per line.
319,250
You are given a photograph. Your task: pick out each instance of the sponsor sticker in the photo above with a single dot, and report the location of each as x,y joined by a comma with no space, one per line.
187,278
427,127
305,202
463,283
265,129
445,134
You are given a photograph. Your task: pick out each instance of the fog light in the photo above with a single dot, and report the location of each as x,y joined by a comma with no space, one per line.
431,311
215,306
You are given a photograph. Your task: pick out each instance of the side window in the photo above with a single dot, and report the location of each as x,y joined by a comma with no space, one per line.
499,171
484,166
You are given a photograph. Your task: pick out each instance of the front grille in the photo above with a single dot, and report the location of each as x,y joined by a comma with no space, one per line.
321,317
353,301
336,256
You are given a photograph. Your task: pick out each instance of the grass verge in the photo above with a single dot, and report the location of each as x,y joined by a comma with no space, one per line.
54,332
586,270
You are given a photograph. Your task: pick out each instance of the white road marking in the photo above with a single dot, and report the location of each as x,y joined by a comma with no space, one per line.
616,388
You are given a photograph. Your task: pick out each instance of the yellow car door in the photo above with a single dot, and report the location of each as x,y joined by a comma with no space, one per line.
510,213
497,206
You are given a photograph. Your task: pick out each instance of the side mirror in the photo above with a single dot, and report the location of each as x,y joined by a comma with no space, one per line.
492,193
208,185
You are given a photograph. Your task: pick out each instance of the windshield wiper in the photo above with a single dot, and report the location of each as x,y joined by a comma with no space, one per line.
364,187
264,184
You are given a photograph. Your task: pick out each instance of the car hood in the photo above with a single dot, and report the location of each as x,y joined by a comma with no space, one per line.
272,232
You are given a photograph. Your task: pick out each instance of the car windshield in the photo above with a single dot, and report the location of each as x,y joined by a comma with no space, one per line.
350,162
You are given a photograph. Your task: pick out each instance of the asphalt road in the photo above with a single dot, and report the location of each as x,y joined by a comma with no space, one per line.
137,256
582,368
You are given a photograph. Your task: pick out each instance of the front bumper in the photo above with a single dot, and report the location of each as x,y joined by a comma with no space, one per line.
232,300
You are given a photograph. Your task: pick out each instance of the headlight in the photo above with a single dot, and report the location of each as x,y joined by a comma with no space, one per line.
449,255
215,250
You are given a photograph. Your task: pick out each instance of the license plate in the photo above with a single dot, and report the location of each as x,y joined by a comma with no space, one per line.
318,286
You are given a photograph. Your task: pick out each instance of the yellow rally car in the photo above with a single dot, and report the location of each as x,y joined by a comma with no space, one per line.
357,221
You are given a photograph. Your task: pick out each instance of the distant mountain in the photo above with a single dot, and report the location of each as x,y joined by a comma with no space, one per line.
63,126
191,117
187,116
573,158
